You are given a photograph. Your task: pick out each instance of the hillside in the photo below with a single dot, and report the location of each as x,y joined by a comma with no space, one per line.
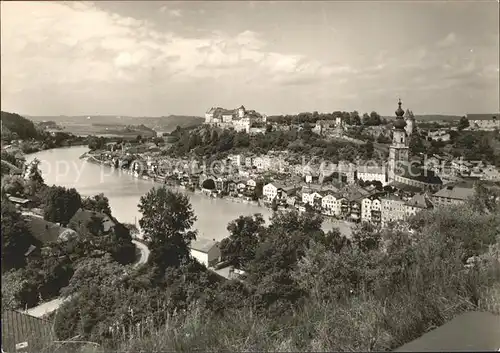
16,126
93,124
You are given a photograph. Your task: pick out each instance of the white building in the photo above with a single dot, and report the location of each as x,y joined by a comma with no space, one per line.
486,122
262,162
371,208
372,173
417,203
308,196
270,191
235,159
240,119
491,173
251,184
206,251
330,205
393,209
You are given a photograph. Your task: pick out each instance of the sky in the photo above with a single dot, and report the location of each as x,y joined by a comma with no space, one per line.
277,57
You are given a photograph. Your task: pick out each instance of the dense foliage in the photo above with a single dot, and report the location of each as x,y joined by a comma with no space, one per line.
215,144
16,237
166,222
349,118
60,204
15,126
35,269
97,203
304,289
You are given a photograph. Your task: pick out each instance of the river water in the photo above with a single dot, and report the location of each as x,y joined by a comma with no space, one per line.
63,167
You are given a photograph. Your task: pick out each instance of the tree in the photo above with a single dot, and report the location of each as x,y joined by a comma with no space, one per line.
366,119
60,204
98,203
485,200
245,233
166,222
138,139
375,118
463,123
208,184
12,158
274,205
369,149
383,139
354,118
416,145
214,137
14,185
366,237
16,237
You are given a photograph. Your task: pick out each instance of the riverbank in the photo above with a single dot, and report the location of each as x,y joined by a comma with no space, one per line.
346,225
64,167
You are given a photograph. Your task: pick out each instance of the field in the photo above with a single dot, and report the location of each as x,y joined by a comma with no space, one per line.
116,125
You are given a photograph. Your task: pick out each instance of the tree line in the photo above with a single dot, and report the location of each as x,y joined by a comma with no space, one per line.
216,143
34,268
349,118
304,289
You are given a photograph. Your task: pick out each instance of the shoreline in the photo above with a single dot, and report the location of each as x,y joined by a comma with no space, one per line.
335,222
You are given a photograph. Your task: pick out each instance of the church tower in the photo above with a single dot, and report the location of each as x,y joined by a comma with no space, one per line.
410,123
398,151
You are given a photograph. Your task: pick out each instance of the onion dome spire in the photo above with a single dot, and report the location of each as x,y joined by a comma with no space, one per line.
400,122
399,112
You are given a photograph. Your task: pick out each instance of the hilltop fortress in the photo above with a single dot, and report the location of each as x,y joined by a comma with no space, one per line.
240,119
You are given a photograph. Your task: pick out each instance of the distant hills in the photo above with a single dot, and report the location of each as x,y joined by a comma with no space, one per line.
16,126
163,123
432,117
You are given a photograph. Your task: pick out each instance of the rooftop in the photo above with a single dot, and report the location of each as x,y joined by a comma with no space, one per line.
18,328
203,244
18,200
455,192
377,169
410,171
43,230
85,215
473,332
420,200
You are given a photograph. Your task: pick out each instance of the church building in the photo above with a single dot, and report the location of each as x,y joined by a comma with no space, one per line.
399,168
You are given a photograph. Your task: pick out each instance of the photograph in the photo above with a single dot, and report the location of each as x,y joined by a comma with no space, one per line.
250,176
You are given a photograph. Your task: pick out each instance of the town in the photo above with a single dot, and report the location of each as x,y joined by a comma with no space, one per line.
250,176
375,191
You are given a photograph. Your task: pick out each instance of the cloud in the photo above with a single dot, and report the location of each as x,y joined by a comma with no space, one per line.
75,43
171,12
447,41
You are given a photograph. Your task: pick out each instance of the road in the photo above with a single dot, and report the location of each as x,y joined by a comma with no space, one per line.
144,253
29,213
53,305
46,308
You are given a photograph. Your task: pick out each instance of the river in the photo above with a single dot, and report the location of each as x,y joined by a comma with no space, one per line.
63,167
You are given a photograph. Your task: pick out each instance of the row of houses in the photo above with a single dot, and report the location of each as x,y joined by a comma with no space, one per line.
484,122
360,204
447,166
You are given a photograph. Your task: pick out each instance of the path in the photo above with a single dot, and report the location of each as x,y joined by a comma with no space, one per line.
29,213
46,308
53,305
144,253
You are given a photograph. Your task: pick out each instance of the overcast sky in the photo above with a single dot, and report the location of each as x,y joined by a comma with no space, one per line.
159,58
